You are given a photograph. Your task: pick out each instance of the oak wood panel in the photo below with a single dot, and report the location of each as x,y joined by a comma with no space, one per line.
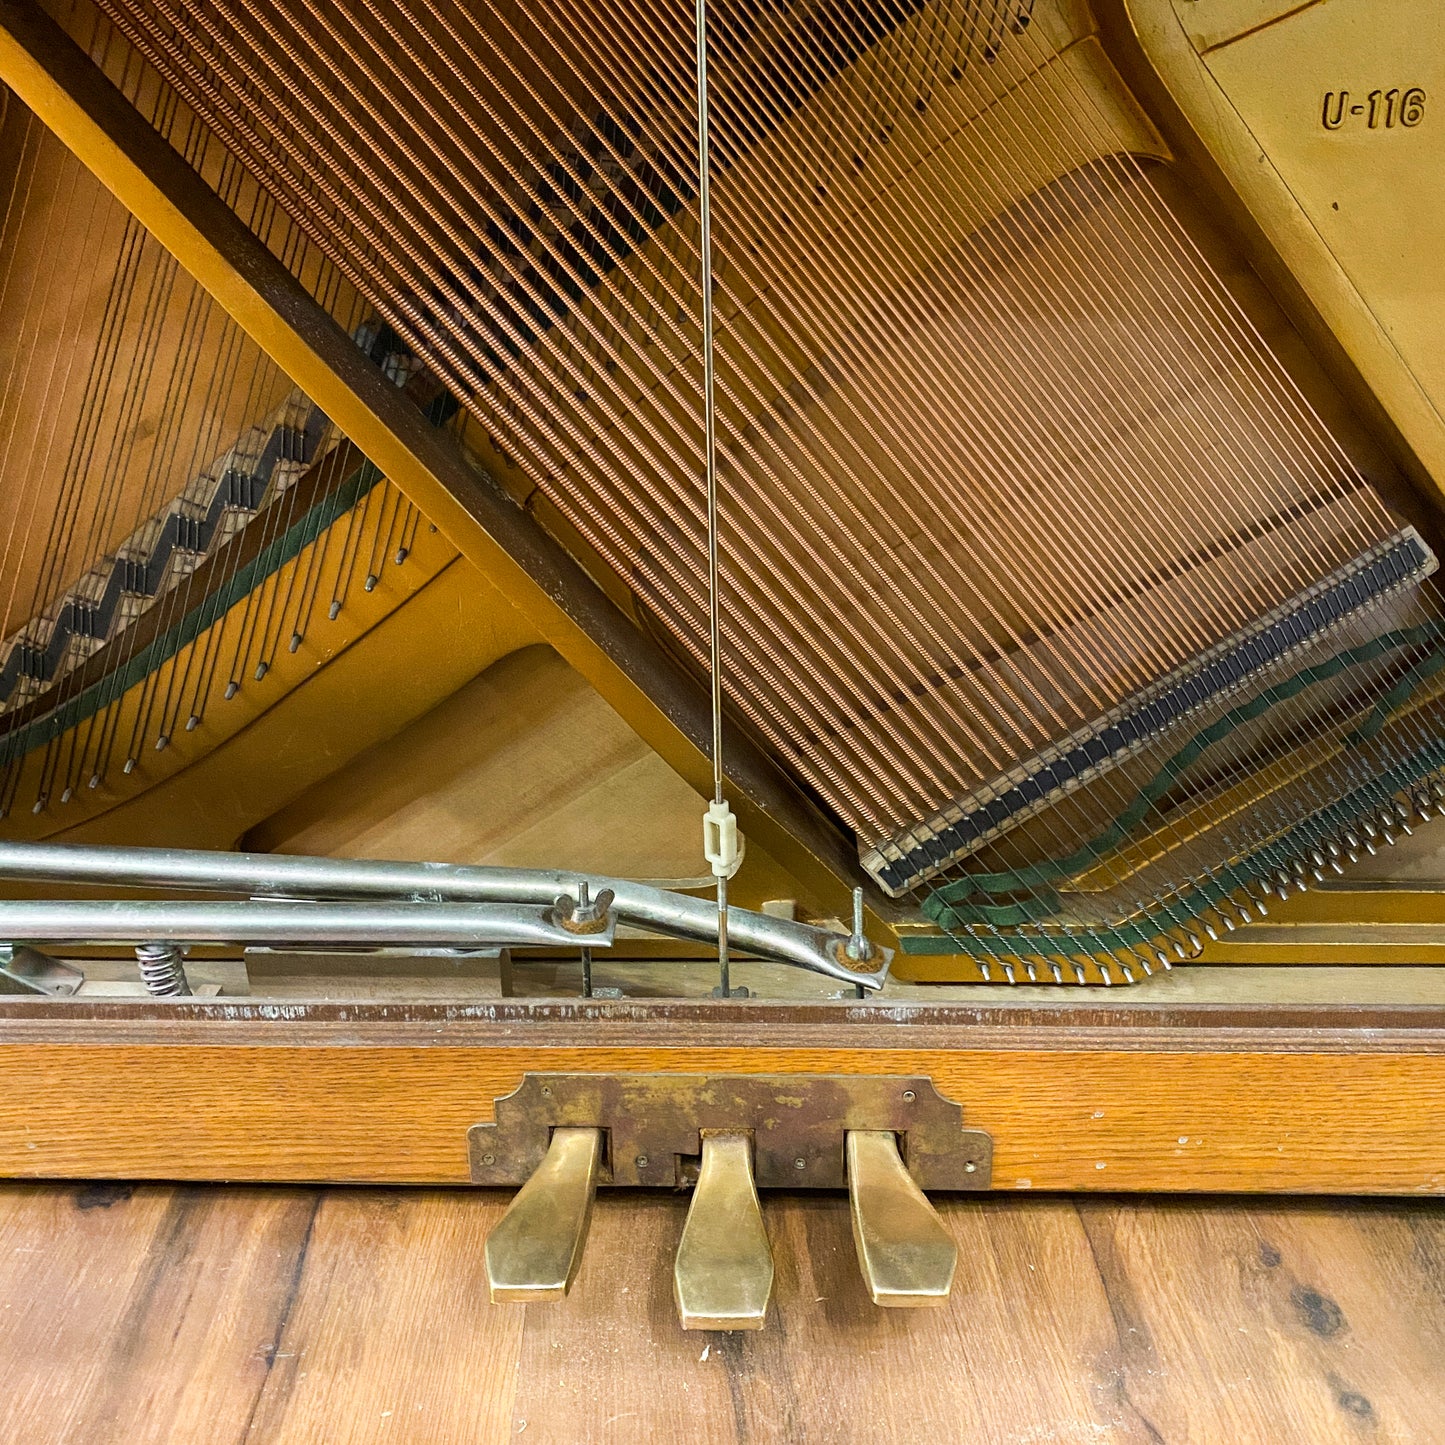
1144,1118
272,1317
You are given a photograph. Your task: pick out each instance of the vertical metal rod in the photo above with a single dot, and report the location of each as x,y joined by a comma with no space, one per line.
857,947
704,206
584,901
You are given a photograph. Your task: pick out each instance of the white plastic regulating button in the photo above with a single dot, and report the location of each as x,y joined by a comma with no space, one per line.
720,840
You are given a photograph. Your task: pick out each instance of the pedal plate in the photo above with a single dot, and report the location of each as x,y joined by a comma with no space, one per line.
653,1126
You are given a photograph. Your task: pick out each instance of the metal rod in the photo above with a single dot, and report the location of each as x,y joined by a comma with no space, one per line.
280,875
461,925
709,426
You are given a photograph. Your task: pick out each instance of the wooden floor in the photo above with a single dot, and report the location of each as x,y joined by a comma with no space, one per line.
265,1315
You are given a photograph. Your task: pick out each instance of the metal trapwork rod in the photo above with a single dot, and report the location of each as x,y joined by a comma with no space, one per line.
359,925
276,875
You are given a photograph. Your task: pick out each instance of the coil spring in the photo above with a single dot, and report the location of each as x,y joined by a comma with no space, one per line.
162,969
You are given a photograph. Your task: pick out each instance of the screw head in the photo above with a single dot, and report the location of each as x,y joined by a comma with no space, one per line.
800,1163
546,1091
642,1161
970,1167
909,1096
489,1158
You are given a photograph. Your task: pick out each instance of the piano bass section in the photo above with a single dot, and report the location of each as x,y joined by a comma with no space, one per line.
1078,372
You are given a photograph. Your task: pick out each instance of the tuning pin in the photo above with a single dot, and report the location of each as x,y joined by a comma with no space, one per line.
907,1256
723,1276
536,1247
1057,972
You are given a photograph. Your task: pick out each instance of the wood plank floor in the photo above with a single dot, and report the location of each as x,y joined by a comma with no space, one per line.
296,1315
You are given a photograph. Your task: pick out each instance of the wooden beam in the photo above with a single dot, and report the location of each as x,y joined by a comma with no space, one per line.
1212,1098
73,97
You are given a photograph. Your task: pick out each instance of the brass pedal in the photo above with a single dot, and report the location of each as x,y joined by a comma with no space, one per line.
723,1276
906,1254
727,1136
536,1246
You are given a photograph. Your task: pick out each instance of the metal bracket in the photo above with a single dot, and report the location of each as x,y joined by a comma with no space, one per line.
28,970
653,1126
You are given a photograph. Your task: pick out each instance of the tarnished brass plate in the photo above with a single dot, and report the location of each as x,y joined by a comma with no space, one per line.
653,1126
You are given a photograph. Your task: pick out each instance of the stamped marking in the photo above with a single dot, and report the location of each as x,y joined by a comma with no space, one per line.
1379,110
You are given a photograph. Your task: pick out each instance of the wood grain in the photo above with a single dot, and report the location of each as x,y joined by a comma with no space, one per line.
1063,1115
127,1307
389,1335
1325,1301
154,1315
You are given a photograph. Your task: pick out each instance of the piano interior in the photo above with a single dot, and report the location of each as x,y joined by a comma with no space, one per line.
658,529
